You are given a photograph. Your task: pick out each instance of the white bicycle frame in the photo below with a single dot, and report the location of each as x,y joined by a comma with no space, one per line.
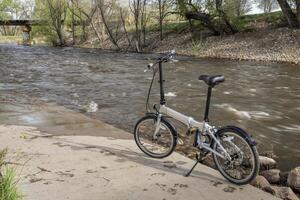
204,127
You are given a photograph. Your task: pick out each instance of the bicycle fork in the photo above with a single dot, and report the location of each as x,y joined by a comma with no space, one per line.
157,127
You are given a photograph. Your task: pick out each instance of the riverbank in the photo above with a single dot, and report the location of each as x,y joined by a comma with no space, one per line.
111,156
87,167
265,45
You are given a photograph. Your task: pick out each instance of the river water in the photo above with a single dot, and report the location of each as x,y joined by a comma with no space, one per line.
262,98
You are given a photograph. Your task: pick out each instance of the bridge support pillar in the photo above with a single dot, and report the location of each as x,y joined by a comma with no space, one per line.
26,35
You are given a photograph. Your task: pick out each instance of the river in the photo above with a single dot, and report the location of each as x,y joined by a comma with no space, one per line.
262,98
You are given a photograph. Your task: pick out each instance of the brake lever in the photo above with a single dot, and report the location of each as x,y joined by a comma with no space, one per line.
149,66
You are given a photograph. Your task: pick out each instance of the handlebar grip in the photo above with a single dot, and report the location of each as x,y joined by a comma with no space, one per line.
150,65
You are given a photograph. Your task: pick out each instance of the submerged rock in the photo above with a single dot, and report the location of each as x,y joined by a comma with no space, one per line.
267,163
294,179
272,175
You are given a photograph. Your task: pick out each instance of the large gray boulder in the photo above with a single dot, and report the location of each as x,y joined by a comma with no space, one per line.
267,163
285,193
272,175
294,179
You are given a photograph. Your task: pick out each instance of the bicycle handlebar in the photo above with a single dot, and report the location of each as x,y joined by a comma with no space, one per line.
165,58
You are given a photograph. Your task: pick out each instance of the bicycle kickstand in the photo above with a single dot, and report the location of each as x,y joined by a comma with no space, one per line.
199,159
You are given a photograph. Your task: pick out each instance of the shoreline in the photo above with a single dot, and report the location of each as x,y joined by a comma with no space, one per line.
54,121
281,45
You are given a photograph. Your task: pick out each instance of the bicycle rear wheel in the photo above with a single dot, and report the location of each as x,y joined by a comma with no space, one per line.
243,166
157,147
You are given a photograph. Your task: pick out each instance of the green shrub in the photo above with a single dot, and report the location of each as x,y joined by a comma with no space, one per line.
8,181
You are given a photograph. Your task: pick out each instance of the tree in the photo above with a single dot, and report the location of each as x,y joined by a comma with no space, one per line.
9,9
135,9
238,7
212,15
267,5
164,9
291,17
55,12
113,37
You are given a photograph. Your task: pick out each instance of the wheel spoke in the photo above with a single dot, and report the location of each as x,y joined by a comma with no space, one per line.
241,166
157,146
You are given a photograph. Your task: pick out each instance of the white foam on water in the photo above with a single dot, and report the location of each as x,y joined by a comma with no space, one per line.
285,88
252,90
260,115
170,94
227,92
189,85
239,113
262,136
274,129
92,107
75,95
292,127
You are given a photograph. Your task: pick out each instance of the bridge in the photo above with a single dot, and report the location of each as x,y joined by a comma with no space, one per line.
26,26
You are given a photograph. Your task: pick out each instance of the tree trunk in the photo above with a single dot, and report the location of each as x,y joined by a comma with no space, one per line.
288,13
160,19
73,30
224,17
205,18
298,12
112,38
124,28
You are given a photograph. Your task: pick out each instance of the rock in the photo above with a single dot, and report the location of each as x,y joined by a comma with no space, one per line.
285,193
209,161
269,154
294,179
267,163
271,175
283,178
260,182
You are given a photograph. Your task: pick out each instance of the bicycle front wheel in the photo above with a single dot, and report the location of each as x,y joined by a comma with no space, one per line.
243,165
158,145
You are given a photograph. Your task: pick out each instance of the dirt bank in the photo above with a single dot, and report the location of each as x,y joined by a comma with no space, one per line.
267,45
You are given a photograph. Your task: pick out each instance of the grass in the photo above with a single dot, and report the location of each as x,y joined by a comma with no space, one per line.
8,181
274,19
10,39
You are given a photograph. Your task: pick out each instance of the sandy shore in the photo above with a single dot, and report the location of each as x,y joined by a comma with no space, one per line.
61,165
87,167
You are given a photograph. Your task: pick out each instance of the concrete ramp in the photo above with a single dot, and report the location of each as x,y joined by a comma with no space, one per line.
96,168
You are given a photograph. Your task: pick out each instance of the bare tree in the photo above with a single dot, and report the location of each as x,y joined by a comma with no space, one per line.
135,7
242,7
267,5
58,11
229,28
112,37
163,11
124,27
288,13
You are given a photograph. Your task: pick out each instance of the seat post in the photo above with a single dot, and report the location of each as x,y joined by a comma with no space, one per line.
207,104
161,83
